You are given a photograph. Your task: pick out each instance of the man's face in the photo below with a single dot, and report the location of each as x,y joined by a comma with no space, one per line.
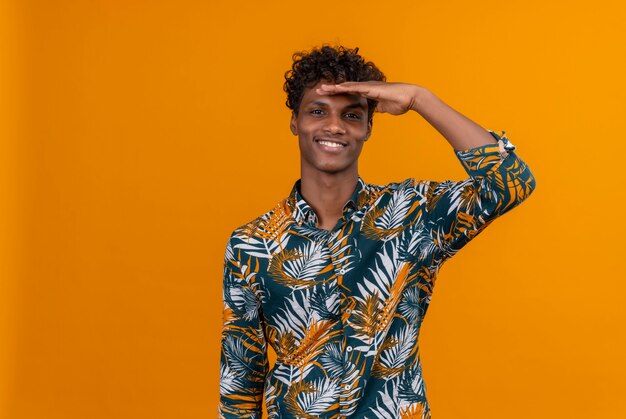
331,131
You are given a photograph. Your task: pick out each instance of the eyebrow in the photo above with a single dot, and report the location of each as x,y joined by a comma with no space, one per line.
352,105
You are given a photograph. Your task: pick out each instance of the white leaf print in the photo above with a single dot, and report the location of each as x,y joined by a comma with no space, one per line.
294,315
410,306
420,243
260,247
386,406
351,399
245,300
380,278
314,257
289,374
316,403
397,355
332,360
456,195
241,360
396,210
230,383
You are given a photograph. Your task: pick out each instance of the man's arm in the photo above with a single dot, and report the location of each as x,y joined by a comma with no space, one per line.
457,211
499,180
461,132
243,359
398,98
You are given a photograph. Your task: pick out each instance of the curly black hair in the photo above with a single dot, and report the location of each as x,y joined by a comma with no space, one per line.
335,64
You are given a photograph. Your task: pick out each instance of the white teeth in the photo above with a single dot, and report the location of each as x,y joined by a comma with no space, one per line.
328,143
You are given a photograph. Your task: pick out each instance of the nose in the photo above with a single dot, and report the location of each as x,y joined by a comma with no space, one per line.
334,125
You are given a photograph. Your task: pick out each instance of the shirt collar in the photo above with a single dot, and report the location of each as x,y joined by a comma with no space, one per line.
303,213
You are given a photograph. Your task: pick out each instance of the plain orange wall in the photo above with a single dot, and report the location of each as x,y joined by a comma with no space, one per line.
138,134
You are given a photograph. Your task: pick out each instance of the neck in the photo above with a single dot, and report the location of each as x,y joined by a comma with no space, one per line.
327,194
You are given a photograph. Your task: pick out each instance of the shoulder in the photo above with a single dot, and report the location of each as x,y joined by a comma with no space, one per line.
432,188
374,191
259,238
413,191
268,225
410,186
406,184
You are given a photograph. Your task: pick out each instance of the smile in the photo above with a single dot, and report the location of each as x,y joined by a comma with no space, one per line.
330,143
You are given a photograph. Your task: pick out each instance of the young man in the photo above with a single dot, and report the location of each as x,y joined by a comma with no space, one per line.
338,276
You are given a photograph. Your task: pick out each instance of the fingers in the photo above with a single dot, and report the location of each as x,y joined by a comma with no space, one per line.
359,88
347,87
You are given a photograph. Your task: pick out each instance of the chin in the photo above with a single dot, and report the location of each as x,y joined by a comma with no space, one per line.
329,165
332,168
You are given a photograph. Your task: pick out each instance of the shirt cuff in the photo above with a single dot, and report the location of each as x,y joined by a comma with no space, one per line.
478,161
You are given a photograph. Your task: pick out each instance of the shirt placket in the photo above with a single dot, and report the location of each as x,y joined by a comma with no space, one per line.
349,380
345,310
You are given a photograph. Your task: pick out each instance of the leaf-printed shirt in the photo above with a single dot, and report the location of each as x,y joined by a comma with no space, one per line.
343,308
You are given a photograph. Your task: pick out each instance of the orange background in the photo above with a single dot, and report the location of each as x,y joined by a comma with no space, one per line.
136,135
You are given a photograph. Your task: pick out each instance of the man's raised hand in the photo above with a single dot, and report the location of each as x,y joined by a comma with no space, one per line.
393,98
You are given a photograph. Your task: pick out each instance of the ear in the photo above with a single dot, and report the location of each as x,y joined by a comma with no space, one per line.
292,124
369,130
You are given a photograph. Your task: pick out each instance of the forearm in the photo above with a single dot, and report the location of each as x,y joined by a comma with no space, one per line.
461,132
243,359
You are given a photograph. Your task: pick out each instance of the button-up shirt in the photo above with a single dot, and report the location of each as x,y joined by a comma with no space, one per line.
343,308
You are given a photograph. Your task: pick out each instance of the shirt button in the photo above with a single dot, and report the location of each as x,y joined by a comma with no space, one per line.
349,348
342,271
347,386
348,311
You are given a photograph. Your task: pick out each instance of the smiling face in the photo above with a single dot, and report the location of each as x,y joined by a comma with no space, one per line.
331,131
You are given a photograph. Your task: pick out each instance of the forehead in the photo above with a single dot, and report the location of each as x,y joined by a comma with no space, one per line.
340,100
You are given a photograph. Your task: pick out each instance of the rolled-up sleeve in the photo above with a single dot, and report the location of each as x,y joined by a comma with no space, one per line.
499,181
243,359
